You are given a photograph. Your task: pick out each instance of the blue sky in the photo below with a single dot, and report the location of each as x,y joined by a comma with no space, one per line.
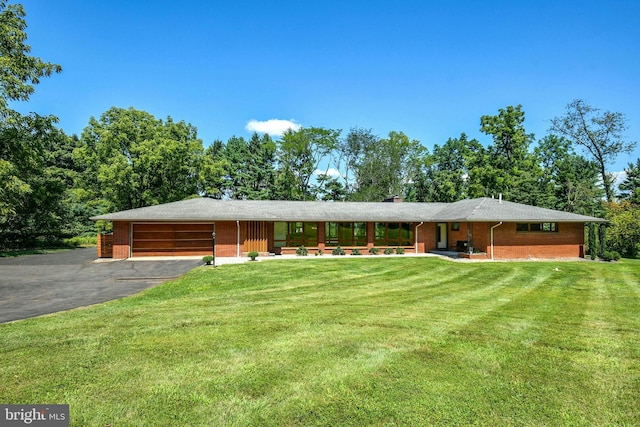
427,68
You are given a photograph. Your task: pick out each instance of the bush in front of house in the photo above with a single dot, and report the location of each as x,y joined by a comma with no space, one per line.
388,251
356,251
302,251
253,255
207,259
320,252
400,251
338,251
610,256
374,251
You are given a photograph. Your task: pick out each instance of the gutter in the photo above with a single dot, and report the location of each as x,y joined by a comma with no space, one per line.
416,236
495,226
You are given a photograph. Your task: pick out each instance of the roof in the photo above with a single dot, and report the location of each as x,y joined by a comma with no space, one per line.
470,210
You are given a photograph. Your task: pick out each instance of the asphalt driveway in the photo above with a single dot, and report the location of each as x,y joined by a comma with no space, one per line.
33,285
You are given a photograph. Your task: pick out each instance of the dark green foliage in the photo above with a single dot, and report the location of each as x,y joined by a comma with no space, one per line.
630,187
302,251
253,255
356,251
388,251
207,259
623,230
400,251
132,159
338,251
374,251
610,256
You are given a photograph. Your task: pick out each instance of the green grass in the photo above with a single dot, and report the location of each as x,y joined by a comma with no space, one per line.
352,341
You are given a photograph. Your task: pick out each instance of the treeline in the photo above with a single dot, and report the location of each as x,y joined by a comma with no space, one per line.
126,158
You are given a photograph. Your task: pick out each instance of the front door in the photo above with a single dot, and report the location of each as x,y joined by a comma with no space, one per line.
441,235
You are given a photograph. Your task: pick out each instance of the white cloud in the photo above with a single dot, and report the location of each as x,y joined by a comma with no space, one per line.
332,172
274,127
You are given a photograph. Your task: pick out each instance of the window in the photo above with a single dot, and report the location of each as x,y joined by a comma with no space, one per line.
346,234
538,227
393,234
294,234
455,226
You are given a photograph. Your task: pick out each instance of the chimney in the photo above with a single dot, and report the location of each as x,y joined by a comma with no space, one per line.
394,199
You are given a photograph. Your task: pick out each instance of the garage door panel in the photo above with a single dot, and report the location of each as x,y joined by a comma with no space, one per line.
171,239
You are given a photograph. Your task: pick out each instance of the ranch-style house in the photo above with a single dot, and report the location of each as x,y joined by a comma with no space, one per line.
484,228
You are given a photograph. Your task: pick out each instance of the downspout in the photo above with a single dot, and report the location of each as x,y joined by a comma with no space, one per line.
495,226
238,240
416,236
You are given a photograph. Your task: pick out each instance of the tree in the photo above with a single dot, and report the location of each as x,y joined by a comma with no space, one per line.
133,159
20,72
506,167
388,167
349,154
214,170
300,155
569,180
599,134
22,138
623,233
630,187
260,168
40,212
447,173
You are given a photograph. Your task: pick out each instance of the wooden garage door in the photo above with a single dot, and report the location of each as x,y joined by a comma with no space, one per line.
172,239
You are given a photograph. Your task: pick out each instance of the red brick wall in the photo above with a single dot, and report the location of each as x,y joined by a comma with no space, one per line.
568,242
121,248
427,237
227,239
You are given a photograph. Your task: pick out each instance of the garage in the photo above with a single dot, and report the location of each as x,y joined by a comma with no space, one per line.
154,239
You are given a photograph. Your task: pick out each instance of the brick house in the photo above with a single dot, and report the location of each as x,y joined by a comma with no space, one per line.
478,228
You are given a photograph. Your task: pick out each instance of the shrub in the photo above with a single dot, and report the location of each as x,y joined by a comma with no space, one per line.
338,251
302,251
253,255
207,259
356,251
79,241
374,251
320,252
388,251
400,251
610,256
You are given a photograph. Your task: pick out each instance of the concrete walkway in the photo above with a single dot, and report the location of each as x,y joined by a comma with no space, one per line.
32,285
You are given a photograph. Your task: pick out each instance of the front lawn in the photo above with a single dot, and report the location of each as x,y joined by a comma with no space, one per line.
365,341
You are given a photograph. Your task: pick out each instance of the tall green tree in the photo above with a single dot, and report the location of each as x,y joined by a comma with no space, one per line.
132,159
349,154
570,181
39,210
300,154
22,138
20,71
630,187
600,134
214,170
388,167
507,166
447,174
260,169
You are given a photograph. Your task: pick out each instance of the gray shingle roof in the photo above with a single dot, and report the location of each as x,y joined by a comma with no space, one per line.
470,210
